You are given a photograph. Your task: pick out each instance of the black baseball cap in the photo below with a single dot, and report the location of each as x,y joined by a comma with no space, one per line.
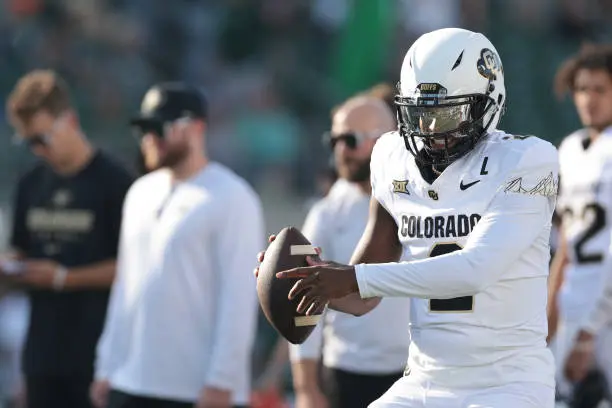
170,101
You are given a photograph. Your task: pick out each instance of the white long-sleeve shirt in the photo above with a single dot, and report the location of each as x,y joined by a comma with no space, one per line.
183,308
478,240
376,343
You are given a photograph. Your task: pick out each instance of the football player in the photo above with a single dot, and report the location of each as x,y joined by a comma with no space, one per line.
579,271
474,222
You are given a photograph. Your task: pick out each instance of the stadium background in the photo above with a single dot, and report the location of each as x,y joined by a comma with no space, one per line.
272,70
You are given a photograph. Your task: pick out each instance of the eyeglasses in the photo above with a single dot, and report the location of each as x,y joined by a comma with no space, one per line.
159,128
38,139
352,140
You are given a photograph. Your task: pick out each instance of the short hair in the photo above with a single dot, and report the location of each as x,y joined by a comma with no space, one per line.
37,91
590,56
382,91
385,92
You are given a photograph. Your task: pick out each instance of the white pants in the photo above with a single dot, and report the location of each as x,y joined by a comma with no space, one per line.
409,392
562,345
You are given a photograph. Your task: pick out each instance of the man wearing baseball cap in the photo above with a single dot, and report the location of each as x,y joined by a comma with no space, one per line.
182,315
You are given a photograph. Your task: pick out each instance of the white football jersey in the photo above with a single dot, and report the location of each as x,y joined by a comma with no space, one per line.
585,205
478,243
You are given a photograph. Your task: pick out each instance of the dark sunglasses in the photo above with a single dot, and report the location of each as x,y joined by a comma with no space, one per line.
156,129
350,139
33,141
159,129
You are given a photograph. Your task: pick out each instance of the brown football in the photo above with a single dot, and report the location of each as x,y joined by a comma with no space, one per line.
287,251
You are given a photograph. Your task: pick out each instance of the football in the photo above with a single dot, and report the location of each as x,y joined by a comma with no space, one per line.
287,251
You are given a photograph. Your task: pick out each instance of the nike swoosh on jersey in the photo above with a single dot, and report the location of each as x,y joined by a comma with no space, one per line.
466,186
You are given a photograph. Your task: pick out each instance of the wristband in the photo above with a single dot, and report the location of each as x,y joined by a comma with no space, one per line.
59,279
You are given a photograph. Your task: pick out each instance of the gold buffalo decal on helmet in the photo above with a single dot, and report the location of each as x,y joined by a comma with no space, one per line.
489,64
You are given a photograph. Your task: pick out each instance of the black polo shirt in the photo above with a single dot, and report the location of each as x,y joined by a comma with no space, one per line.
75,221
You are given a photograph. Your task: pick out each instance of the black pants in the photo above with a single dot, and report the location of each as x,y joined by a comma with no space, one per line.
119,399
350,390
58,391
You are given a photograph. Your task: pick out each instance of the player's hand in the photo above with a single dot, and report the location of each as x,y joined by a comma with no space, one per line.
321,282
310,399
98,393
580,359
37,273
260,256
212,397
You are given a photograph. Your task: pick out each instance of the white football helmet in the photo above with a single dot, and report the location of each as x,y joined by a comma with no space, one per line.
451,93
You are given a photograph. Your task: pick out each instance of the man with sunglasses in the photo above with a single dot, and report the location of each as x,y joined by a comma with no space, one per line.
66,221
182,315
361,357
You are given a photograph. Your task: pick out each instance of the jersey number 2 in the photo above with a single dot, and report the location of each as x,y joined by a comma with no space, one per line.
598,222
454,305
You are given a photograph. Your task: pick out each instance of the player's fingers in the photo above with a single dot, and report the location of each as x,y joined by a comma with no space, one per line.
314,260
271,238
297,272
256,272
299,287
260,256
315,308
307,300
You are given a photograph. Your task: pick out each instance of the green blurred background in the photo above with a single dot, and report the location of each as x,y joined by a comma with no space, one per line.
272,70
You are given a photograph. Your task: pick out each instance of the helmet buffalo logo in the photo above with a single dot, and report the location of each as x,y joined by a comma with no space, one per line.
489,64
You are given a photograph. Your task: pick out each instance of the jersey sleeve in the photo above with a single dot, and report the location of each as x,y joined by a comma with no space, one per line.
518,216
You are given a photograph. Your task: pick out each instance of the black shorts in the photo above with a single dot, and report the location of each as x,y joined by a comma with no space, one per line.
345,389
120,399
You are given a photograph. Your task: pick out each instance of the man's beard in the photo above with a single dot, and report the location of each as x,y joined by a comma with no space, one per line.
360,174
173,156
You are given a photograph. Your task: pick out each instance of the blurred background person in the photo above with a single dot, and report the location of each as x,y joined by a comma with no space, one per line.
582,337
147,157
66,220
361,356
183,312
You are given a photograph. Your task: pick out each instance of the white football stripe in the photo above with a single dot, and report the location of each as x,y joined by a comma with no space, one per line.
306,320
303,250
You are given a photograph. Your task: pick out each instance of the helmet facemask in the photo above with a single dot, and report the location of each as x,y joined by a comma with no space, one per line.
439,129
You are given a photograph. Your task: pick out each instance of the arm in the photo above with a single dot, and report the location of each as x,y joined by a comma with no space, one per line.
97,275
110,348
237,298
555,280
601,314
379,243
510,226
